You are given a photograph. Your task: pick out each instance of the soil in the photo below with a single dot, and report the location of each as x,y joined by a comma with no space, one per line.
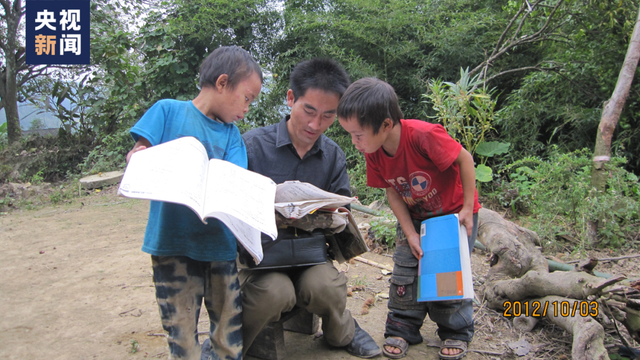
74,284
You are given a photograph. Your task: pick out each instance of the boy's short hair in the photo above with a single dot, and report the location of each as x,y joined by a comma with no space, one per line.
319,73
370,101
234,61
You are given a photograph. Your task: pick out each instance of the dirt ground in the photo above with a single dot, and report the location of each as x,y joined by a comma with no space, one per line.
74,284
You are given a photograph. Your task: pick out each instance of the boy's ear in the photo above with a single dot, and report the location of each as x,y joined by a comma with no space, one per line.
222,82
387,124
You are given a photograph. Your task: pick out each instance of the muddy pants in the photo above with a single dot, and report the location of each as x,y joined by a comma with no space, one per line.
406,315
181,284
320,289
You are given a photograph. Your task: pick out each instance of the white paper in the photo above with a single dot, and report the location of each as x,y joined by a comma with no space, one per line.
179,171
295,199
171,172
229,185
465,263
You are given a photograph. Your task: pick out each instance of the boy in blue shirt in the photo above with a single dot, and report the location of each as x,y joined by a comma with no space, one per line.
425,173
191,260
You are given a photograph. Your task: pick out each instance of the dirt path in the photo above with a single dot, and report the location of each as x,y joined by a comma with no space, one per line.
74,284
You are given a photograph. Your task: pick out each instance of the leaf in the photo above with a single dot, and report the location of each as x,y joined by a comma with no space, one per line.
492,148
484,173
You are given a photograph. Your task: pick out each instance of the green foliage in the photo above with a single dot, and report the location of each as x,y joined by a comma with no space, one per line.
492,148
3,136
36,124
135,347
398,41
110,155
64,192
557,193
177,37
486,150
563,106
466,110
38,178
44,158
360,281
73,116
359,188
384,230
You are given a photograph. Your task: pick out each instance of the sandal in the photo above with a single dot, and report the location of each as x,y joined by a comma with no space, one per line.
398,343
453,344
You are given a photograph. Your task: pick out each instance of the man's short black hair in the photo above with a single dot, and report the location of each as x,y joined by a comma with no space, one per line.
370,101
234,61
321,74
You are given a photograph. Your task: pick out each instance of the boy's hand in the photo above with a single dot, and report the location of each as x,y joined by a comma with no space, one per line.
465,216
141,144
414,244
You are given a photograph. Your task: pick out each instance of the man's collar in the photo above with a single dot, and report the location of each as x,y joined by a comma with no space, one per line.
282,134
283,139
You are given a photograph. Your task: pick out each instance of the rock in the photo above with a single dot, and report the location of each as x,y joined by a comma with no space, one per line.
101,179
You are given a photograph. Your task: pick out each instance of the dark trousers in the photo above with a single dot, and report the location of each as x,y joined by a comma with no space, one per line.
406,315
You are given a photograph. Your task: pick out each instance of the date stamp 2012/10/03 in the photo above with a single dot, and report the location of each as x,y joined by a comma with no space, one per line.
555,308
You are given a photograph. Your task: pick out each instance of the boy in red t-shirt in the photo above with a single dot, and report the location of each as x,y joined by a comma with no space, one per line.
425,173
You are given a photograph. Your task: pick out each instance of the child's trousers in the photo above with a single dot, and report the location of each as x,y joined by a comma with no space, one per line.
406,315
181,284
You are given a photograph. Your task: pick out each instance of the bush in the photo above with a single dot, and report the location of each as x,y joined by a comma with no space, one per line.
44,158
109,155
557,193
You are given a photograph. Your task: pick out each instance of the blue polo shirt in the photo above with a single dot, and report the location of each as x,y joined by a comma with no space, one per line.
173,229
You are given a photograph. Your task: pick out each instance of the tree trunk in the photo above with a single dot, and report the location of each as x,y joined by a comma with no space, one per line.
10,100
610,116
9,83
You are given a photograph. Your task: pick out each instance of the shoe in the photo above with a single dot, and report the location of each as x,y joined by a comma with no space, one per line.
362,345
398,343
453,344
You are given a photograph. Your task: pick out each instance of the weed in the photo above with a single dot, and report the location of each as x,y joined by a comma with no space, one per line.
38,178
360,281
134,346
384,230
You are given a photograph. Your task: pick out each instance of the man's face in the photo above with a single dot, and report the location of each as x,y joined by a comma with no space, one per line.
311,115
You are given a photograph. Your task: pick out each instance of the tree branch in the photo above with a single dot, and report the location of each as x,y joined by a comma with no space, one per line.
504,33
544,33
526,68
7,7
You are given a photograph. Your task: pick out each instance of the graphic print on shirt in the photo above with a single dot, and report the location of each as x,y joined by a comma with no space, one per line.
402,187
423,200
427,198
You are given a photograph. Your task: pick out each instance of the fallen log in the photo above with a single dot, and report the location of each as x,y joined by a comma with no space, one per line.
519,273
588,334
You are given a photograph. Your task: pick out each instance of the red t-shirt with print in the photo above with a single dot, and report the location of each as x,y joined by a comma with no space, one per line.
422,171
